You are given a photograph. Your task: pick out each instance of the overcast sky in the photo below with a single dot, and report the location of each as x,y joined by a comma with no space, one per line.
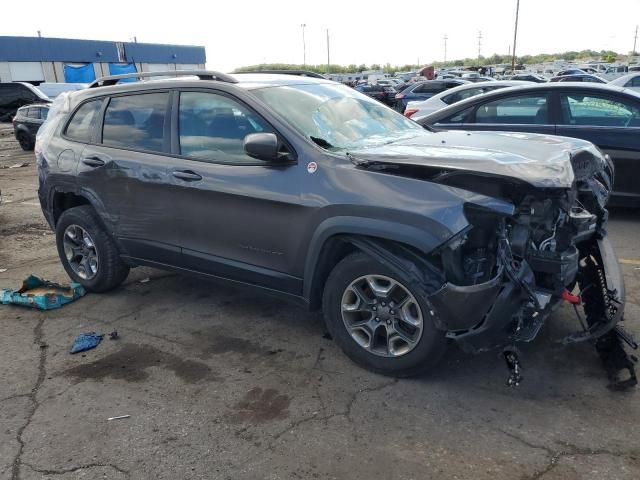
245,32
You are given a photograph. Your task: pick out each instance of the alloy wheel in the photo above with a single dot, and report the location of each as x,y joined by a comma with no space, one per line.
80,251
382,315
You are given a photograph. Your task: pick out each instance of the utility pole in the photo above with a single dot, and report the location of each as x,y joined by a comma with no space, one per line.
515,37
328,62
635,40
304,46
445,48
479,45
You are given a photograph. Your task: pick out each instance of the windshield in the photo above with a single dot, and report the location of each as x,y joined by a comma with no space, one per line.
338,117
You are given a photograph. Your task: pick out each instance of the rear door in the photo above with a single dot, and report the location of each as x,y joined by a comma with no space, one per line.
240,218
125,167
34,120
525,112
612,122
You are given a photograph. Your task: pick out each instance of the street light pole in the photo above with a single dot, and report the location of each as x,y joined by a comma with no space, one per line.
515,37
304,46
328,62
445,49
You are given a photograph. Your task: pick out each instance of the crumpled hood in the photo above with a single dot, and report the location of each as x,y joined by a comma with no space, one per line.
540,160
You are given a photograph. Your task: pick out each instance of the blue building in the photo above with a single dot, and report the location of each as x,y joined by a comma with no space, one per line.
40,59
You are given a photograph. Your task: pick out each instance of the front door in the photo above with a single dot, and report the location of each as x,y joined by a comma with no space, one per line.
240,217
527,112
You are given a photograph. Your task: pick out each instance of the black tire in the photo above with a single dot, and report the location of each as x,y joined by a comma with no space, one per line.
428,350
25,141
111,270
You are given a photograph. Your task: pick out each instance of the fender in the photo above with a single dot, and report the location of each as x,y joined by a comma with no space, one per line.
424,239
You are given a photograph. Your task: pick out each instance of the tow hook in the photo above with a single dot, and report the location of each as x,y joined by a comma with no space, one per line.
513,364
569,297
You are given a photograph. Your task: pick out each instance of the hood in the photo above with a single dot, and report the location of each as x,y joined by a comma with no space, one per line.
540,160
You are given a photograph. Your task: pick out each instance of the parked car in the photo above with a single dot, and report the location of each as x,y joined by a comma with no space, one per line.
14,95
529,77
571,71
310,189
605,115
382,93
631,80
424,90
52,89
578,78
417,110
26,123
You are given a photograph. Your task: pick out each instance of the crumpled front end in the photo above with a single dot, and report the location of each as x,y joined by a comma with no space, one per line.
506,273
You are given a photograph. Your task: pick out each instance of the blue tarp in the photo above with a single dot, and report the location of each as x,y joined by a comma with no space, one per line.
79,73
119,68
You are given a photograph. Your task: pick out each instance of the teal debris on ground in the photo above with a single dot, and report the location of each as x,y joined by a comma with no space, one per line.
42,294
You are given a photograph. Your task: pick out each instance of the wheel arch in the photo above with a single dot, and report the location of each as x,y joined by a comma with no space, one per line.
337,237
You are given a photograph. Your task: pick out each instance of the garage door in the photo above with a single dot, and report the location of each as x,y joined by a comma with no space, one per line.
26,71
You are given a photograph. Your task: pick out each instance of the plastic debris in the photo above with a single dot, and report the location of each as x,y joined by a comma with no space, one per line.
120,417
114,335
145,280
18,165
42,294
2,270
86,341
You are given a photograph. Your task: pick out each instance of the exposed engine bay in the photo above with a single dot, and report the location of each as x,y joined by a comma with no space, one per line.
504,274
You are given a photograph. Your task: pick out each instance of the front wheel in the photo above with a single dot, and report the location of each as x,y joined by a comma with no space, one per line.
88,253
25,141
378,320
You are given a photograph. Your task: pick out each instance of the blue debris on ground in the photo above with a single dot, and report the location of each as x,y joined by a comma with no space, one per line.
42,294
86,341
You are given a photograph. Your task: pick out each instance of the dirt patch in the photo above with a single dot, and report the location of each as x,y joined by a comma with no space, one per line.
131,362
260,406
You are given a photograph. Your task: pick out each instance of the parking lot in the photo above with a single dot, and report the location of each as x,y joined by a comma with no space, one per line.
223,383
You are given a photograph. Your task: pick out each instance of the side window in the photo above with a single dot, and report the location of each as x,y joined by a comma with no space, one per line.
33,112
81,124
44,113
460,117
456,97
212,128
136,121
522,110
598,111
634,82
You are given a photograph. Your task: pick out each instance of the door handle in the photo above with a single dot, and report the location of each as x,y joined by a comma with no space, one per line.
93,161
186,175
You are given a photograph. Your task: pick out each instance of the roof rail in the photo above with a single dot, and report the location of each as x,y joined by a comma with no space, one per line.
301,73
201,74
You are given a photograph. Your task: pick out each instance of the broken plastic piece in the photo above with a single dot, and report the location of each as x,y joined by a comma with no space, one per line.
513,364
113,335
571,298
42,294
120,417
86,341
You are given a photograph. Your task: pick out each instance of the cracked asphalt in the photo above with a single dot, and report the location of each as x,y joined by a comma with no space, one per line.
221,383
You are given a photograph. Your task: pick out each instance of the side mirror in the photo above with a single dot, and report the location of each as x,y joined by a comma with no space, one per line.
263,146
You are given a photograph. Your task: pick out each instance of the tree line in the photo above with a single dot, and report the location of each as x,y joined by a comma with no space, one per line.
495,59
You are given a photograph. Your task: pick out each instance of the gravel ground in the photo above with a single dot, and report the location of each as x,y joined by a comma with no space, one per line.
221,383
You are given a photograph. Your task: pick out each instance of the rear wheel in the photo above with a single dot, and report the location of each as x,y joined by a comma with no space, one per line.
378,319
25,141
88,253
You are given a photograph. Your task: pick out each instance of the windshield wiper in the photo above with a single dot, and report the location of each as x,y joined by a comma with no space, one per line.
321,142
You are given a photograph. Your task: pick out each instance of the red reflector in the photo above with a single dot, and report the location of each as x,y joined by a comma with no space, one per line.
410,111
571,298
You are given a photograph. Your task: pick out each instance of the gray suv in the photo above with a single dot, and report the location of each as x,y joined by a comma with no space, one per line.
405,237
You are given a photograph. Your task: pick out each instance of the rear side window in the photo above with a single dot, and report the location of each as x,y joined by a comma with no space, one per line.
634,82
461,95
33,113
136,121
81,124
429,87
212,128
590,110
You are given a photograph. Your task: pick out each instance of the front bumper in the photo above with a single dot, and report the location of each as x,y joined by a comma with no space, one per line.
508,308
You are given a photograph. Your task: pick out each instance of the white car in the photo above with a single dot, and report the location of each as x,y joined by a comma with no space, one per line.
418,109
631,80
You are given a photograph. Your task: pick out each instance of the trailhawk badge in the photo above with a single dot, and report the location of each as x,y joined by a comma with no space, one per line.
312,167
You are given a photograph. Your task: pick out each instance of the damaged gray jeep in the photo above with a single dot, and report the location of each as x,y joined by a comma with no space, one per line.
408,239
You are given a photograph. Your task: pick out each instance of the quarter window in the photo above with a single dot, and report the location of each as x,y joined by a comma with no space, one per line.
136,121
81,124
598,111
212,128
524,110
